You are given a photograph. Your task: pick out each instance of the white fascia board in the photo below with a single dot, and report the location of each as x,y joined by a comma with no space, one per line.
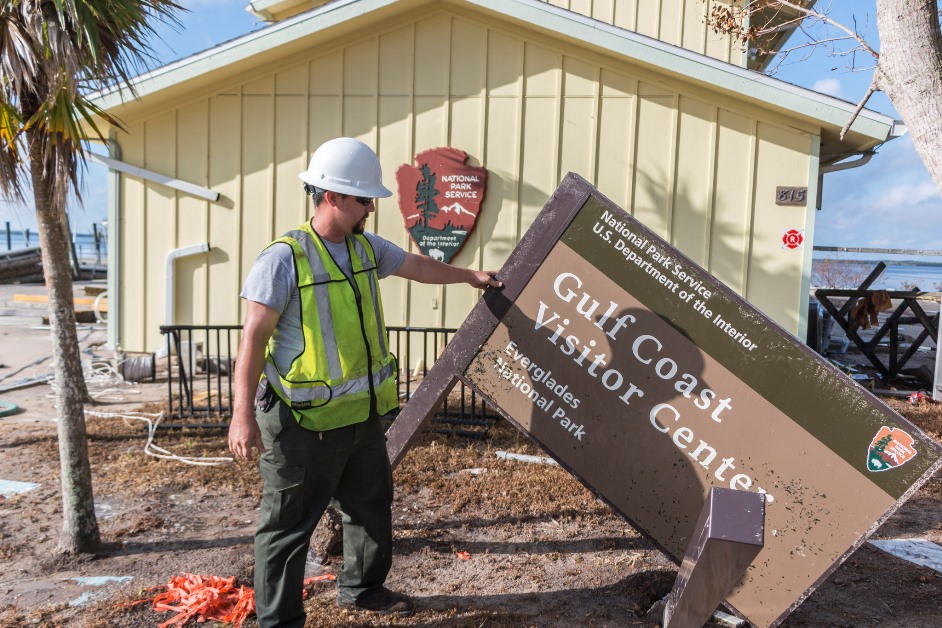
264,40
725,76
258,10
266,9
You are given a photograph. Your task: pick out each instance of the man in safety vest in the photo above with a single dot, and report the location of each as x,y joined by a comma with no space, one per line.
313,376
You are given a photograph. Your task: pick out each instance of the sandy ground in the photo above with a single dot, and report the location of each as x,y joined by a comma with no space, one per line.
480,541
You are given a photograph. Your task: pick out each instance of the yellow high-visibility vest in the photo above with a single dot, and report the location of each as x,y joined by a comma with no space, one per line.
346,359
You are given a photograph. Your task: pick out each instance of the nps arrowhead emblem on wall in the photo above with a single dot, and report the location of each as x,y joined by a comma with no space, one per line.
440,200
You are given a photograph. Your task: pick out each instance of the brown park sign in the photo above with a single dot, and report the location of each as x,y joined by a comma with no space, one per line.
652,382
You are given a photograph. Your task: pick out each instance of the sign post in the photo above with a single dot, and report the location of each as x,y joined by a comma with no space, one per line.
653,383
729,534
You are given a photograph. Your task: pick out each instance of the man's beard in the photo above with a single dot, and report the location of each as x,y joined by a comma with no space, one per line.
360,227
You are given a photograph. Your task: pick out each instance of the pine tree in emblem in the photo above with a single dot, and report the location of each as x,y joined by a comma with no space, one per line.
425,194
875,460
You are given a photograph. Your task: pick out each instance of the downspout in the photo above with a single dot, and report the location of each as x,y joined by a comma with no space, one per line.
114,246
172,256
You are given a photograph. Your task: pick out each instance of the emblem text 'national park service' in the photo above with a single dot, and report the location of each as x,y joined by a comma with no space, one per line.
440,199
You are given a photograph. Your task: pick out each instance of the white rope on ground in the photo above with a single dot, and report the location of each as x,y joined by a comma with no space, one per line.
105,383
102,381
153,450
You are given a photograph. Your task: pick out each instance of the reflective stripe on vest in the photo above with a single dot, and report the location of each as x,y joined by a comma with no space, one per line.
328,385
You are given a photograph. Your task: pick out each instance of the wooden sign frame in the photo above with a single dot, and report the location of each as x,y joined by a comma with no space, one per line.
836,459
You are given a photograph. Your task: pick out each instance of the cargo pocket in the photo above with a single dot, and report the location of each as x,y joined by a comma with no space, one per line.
284,496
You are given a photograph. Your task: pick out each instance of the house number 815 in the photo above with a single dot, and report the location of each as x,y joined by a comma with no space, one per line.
790,196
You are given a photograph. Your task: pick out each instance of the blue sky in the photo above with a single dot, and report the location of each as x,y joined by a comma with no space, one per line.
888,203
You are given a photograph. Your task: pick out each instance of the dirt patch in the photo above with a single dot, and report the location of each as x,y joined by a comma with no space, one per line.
479,541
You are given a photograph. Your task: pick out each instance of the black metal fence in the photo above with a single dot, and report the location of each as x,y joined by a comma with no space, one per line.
200,359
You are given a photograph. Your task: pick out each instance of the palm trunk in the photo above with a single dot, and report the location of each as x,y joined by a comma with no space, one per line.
910,73
80,527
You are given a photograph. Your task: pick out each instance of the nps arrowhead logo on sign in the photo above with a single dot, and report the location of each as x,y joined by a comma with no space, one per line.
440,199
890,448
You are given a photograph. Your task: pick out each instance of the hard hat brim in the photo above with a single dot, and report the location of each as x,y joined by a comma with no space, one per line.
376,190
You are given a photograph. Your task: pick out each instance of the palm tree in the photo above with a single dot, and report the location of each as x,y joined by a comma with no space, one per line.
53,53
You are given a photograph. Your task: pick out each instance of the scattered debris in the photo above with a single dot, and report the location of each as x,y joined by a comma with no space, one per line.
9,488
308,582
210,598
505,455
463,555
94,581
203,598
7,408
920,396
152,421
26,383
918,551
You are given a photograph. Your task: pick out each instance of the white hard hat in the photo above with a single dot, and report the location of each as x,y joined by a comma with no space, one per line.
348,166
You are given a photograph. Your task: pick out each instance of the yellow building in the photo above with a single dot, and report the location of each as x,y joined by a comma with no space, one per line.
639,97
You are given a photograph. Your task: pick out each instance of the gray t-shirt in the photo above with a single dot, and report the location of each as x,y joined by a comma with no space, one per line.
272,282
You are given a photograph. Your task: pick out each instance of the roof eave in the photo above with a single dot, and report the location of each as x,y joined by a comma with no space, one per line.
869,128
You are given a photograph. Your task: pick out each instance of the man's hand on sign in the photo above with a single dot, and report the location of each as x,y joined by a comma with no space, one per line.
485,278
425,269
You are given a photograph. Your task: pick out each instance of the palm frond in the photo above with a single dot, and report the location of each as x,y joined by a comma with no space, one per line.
53,53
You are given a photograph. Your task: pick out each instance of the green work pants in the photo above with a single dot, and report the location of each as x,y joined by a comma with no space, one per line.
303,471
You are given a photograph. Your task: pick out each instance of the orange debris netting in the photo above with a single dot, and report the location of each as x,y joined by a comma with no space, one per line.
210,598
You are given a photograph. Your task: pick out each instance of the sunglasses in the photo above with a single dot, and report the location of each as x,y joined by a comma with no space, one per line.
311,190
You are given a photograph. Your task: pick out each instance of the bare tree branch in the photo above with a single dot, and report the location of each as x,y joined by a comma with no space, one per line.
860,106
825,18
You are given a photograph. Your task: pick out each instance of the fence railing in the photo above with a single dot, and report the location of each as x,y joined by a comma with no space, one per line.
200,360
199,369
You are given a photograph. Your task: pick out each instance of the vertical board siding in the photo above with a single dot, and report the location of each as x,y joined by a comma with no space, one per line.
192,143
676,22
732,199
522,106
257,172
782,155
692,209
133,281
160,218
616,136
225,165
431,72
579,111
654,152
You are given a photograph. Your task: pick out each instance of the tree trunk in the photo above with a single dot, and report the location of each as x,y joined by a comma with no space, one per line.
80,527
909,72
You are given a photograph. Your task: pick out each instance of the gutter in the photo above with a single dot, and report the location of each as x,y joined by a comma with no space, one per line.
897,129
864,158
